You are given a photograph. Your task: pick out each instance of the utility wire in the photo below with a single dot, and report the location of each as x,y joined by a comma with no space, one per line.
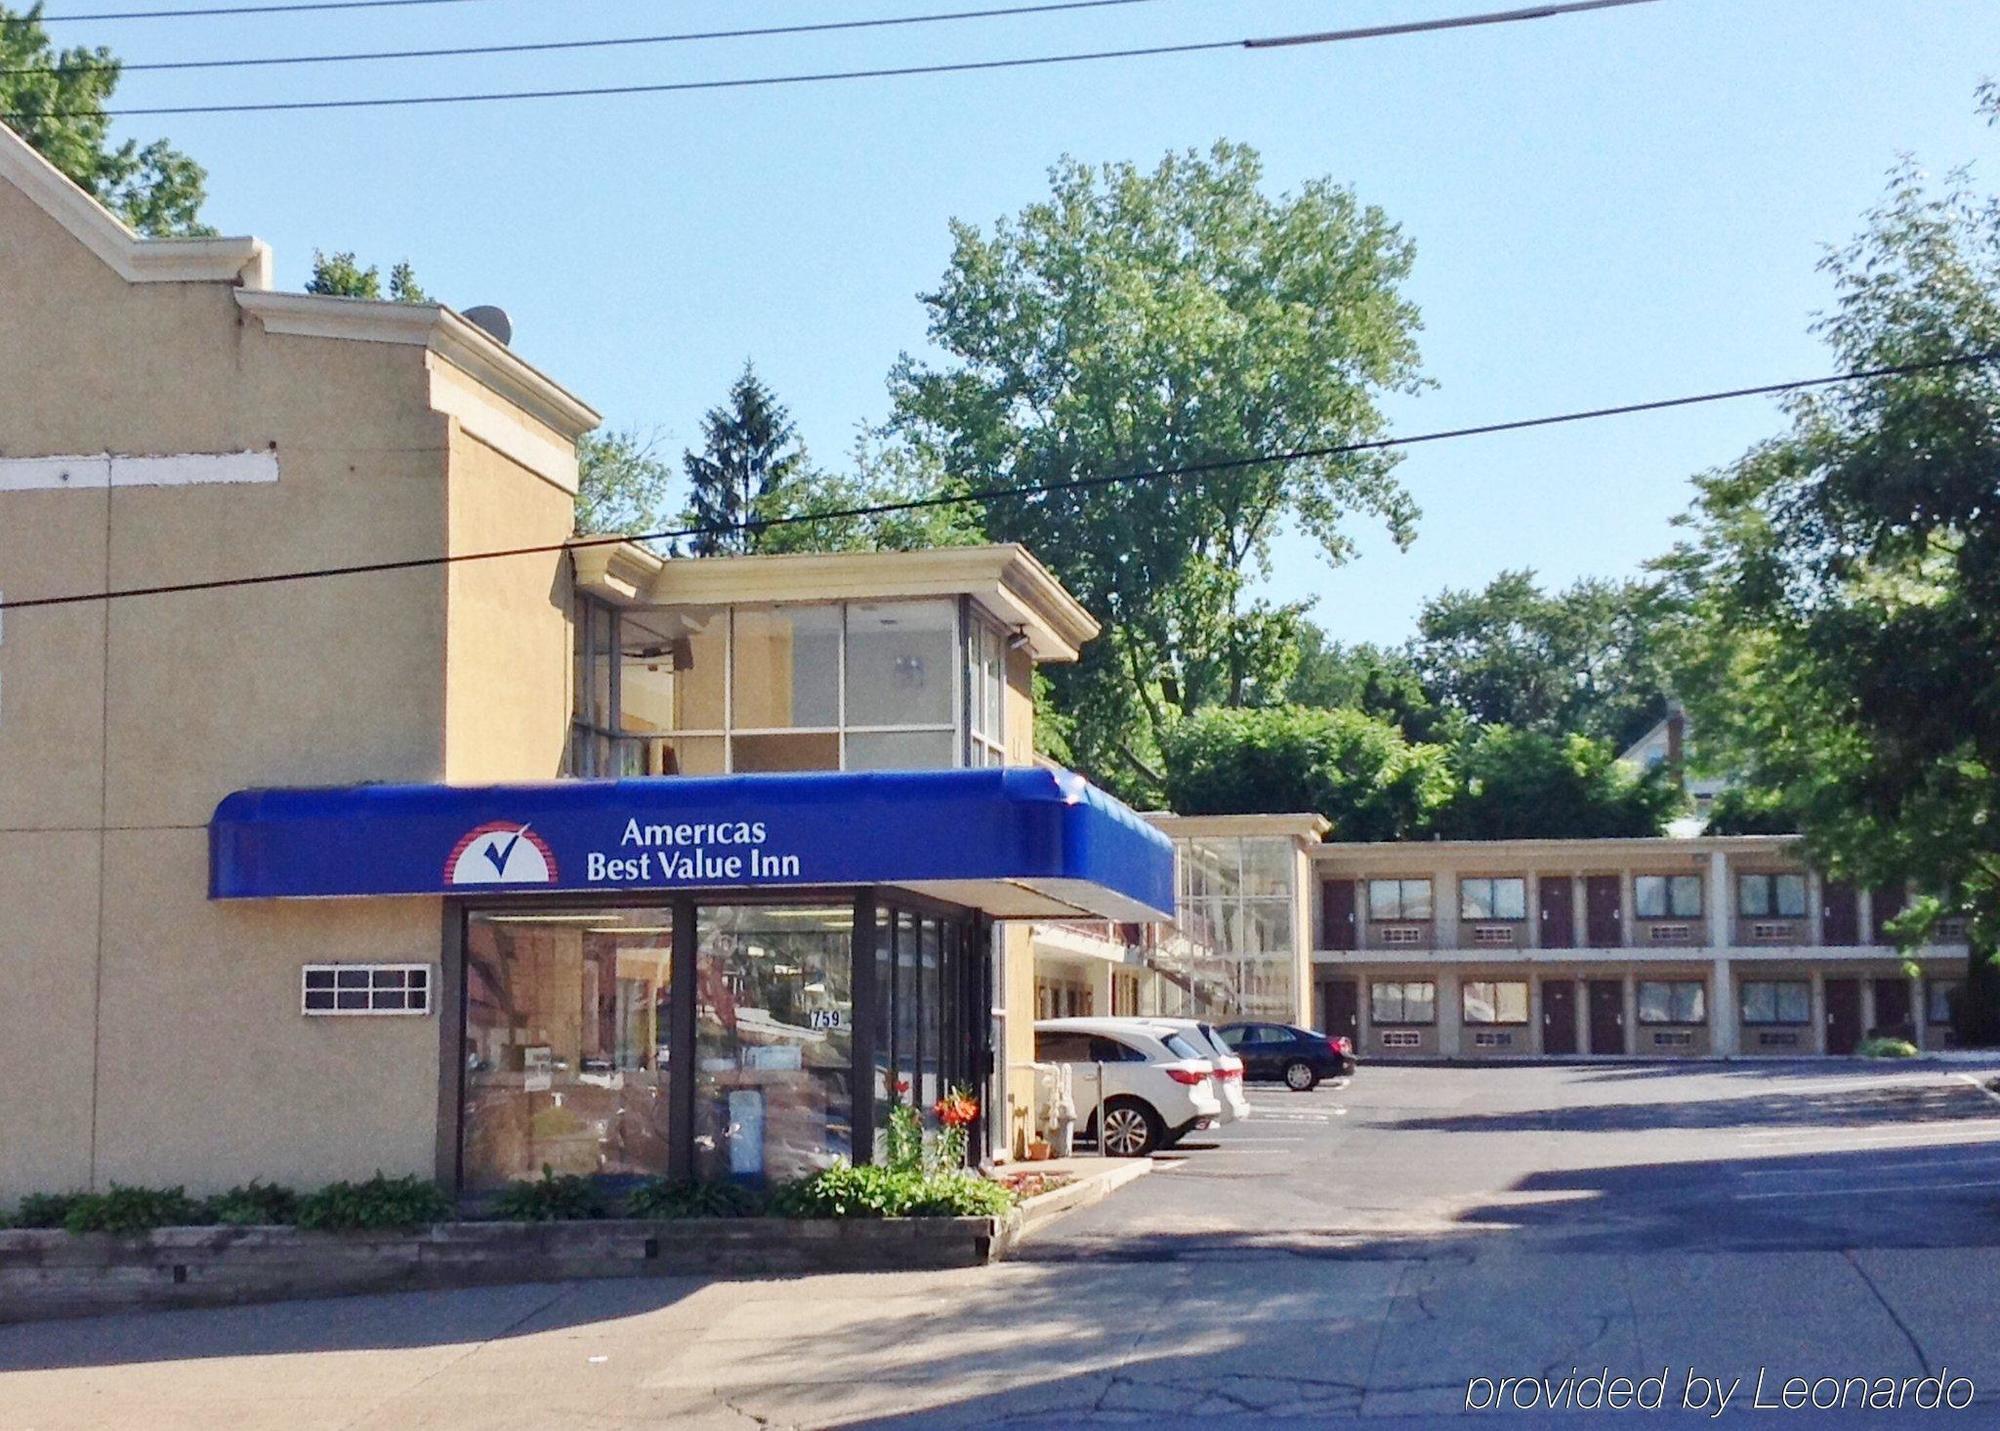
546,46
1328,37
67,17
1005,493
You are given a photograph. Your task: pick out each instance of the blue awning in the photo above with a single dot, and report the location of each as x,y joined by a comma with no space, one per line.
1017,843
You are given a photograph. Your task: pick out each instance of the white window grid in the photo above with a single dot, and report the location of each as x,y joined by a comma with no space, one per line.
1492,1039
1493,934
1774,931
1403,934
1673,1038
377,990
1401,1038
1670,933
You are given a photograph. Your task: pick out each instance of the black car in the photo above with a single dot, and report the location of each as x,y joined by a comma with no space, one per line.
1279,1053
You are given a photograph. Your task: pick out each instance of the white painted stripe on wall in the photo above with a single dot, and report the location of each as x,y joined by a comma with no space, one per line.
103,470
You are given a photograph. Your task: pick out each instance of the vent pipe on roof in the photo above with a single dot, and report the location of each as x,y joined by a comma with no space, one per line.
494,321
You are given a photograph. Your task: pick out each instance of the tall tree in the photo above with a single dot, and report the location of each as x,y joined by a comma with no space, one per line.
807,507
750,452
622,485
1356,770
1590,660
1381,681
55,100
342,276
1526,784
1140,320
1847,579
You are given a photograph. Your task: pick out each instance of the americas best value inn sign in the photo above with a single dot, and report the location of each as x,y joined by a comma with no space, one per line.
1030,825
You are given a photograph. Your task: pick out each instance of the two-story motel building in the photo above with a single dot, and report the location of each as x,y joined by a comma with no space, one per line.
1656,948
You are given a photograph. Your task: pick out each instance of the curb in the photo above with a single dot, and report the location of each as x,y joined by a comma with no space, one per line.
1088,1190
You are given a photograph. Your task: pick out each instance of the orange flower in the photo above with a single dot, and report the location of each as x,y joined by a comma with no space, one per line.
956,1109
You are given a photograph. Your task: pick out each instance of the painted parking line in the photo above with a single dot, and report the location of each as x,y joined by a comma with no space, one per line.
1862,1192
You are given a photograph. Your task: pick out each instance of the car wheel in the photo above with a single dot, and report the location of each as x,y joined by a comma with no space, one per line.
1299,1076
1130,1129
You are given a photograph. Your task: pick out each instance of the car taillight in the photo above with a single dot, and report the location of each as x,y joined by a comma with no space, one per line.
1225,1074
1190,1076
1340,1045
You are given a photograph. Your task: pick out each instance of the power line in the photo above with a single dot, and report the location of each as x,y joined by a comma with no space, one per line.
547,46
1328,37
1032,489
66,18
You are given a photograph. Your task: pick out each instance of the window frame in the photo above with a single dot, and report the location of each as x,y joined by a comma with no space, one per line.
1402,988
1402,903
1466,986
598,733
1493,883
1669,884
1776,1018
1673,988
418,980
1768,881
1952,991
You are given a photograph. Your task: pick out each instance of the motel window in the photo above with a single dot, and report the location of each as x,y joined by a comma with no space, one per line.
1667,896
1941,1000
810,686
365,989
1486,1002
1399,899
1765,896
1777,1001
1483,898
1672,1001
1413,1002
986,662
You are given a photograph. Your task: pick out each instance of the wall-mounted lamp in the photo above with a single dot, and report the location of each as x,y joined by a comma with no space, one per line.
1019,640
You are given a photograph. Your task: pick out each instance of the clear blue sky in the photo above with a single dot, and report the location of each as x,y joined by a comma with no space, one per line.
1606,207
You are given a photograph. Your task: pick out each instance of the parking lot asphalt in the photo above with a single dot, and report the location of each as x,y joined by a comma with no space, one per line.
1389,1253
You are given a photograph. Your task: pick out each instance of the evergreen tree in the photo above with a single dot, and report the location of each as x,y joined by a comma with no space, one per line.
750,452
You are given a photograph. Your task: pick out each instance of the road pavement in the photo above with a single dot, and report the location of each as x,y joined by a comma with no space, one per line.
1396,1252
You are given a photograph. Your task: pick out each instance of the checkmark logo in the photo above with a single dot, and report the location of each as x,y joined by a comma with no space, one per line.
498,854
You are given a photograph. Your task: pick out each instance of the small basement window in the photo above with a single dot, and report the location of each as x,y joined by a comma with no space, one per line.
365,989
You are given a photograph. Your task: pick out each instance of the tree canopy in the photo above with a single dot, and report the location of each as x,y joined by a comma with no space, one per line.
1846,578
750,452
1589,660
622,485
1529,784
1138,320
54,99
342,276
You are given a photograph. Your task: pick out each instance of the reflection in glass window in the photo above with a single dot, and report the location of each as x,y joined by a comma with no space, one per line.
1671,1002
565,1044
785,668
1941,1000
1483,898
899,750
1781,896
774,1018
900,663
1494,1002
1410,1002
1667,896
1399,899
1777,1001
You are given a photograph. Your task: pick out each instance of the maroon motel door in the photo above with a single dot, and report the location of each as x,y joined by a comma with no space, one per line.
1340,1010
1884,905
1336,915
1558,909
1839,915
1892,1009
1843,1015
1601,912
1559,1016
1607,1016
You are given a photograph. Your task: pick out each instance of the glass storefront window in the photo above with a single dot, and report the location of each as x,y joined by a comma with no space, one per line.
785,664
774,1017
565,1044
900,750
900,663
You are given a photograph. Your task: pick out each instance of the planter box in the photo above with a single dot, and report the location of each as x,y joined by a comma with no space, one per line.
59,1274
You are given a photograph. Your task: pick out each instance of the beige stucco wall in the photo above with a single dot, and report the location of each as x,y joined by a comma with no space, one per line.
155,1036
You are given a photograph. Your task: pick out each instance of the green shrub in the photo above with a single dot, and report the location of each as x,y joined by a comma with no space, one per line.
1887,1048
255,1204
45,1210
847,1191
381,1204
569,1198
679,1197
124,1209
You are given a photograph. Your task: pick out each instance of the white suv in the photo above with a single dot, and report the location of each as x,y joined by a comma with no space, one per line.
1228,1067
1158,1084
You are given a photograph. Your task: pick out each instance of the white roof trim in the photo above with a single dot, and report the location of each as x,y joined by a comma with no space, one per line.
426,325
135,259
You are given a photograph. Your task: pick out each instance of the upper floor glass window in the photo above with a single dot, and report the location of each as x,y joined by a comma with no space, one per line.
811,686
1667,896
1767,895
986,660
1483,898
1397,899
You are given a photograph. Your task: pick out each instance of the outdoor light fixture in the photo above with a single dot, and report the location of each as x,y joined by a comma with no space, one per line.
1019,640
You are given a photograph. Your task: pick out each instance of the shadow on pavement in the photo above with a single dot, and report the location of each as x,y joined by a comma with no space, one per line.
1828,1108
